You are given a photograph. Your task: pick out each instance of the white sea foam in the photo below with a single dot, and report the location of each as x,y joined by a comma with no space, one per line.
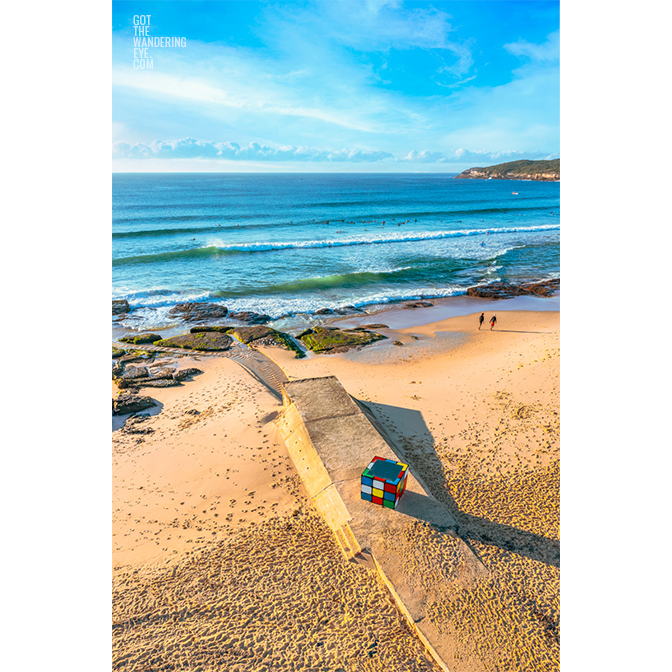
156,297
156,317
279,307
379,240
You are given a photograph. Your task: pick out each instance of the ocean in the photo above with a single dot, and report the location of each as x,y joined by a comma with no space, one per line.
291,244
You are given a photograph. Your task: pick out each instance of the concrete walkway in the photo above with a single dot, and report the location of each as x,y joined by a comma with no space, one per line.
331,441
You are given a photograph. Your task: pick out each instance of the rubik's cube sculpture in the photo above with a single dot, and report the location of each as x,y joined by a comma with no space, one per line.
384,482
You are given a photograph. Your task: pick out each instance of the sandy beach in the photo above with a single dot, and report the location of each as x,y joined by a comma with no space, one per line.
220,561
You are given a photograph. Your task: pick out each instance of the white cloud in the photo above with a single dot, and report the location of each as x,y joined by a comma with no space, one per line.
423,157
189,148
466,156
547,52
246,97
373,26
379,26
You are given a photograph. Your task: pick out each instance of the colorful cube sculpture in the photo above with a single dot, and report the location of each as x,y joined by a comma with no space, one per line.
384,482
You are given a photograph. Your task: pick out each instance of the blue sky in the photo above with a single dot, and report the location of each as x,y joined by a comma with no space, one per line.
337,85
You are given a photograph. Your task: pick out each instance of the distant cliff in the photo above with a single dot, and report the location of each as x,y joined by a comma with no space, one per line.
544,171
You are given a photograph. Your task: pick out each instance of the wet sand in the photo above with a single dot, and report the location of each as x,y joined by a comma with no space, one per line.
201,581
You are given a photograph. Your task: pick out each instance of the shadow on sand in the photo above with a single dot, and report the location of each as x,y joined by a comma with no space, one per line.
429,469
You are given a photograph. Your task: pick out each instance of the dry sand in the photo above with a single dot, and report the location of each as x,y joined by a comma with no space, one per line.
220,563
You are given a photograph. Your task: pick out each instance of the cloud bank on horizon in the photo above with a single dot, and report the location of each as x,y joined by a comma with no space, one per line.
372,85
189,148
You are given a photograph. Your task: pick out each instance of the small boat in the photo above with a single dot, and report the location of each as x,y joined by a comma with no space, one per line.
515,193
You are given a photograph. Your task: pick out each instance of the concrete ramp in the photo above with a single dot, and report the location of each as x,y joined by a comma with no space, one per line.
331,441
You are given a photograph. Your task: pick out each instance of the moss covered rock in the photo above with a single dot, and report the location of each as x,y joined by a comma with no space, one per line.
223,328
206,340
249,334
325,339
117,352
286,341
140,339
266,336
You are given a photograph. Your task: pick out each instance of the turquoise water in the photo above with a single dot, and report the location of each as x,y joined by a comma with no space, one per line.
290,244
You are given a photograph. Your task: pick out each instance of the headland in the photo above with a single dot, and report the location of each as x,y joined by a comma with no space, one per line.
539,171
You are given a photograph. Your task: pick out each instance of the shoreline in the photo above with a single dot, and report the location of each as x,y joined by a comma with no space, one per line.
446,306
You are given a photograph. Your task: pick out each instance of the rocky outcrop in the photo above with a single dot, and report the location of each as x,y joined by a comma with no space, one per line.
151,382
250,318
345,310
183,374
139,339
331,339
129,402
161,373
502,290
204,341
202,312
131,378
117,352
419,304
133,373
198,312
120,306
125,383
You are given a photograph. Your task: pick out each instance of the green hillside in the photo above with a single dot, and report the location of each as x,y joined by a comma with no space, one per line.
548,171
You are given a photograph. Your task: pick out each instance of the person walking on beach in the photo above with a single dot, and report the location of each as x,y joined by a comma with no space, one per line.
493,321
480,320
